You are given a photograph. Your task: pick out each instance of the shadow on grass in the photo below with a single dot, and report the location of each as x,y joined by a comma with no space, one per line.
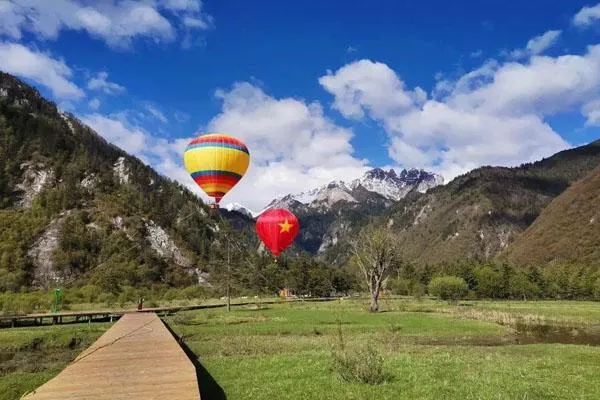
209,388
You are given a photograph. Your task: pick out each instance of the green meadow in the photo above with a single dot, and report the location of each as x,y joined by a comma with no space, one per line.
428,350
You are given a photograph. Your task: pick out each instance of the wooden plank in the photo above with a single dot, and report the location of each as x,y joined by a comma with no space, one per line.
137,358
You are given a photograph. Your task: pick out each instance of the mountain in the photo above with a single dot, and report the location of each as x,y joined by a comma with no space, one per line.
377,182
331,213
75,209
237,207
567,230
479,214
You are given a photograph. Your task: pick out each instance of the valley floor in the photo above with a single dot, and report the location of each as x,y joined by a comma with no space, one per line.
431,350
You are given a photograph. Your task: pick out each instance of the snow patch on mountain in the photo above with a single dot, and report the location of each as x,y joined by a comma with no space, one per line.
332,195
395,186
241,209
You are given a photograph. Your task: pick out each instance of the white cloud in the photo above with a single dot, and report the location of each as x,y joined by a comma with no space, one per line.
94,104
445,138
181,117
156,113
476,53
100,82
115,22
493,115
39,67
293,146
587,16
545,85
165,156
117,130
591,111
367,86
537,45
181,5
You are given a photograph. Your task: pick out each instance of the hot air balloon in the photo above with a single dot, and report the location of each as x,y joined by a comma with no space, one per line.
216,162
277,228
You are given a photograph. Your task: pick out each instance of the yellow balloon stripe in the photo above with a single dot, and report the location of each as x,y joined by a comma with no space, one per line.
216,158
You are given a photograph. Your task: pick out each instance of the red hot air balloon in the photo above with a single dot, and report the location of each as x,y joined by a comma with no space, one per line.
277,228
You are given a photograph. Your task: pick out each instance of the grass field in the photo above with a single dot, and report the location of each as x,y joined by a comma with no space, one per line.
431,350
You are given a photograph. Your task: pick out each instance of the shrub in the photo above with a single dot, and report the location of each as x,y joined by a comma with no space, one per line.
448,287
362,364
108,299
400,286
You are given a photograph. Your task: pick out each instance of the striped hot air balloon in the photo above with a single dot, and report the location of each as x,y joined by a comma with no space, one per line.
216,162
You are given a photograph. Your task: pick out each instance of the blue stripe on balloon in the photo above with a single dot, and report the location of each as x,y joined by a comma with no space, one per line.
215,172
218,144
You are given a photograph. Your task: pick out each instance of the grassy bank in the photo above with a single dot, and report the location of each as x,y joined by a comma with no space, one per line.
430,350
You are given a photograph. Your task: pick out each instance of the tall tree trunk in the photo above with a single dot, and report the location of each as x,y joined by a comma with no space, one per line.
374,300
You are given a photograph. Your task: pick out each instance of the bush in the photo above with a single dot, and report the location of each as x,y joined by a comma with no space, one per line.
448,287
362,364
400,286
108,299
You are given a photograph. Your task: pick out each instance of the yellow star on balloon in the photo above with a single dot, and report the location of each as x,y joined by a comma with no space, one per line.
285,226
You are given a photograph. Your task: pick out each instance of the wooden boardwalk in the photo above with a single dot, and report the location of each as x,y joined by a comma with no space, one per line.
137,358
57,318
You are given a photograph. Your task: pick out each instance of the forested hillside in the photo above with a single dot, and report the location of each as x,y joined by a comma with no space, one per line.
76,209
568,230
479,214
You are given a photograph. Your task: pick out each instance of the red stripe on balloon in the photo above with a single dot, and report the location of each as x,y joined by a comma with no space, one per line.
219,179
217,139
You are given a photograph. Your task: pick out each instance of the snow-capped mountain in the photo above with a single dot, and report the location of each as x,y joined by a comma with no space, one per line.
241,209
388,184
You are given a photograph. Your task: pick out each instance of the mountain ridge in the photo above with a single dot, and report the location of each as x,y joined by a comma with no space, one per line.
76,208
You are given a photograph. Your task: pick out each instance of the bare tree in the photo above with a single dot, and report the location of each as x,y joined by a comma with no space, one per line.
374,253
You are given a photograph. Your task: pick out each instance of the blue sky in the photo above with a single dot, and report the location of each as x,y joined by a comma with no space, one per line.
319,90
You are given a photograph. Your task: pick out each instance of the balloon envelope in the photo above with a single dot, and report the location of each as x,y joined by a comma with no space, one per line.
277,228
216,162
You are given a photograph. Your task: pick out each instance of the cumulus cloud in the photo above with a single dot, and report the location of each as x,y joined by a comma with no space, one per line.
115,22
587,16
94,104
293,146
367,86
41,68
493,115
100,82
591,111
